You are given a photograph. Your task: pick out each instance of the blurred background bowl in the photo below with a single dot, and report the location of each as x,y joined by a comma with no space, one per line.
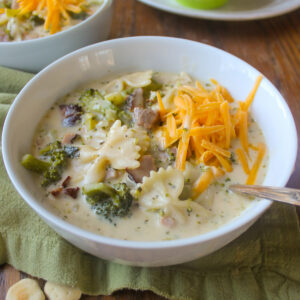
33,55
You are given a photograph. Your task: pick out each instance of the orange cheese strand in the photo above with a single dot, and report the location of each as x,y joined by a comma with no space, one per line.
223,91
227,96
253,172
203,182
212,147
162,110
250,97
224,107
207,157
218,172
224,162
194,92
251,146
200,86
179,102
196,148
182,151
243,130
189,104
28,5
206,130
243,160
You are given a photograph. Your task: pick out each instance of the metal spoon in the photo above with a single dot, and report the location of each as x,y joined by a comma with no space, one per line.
285,195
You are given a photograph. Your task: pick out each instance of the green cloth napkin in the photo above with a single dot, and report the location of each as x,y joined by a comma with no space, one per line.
264,263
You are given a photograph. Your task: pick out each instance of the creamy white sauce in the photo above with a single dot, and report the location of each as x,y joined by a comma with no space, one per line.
218,204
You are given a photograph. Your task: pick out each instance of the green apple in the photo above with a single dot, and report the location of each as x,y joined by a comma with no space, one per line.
202,4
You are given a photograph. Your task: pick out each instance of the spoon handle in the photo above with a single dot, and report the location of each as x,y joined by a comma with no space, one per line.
286,195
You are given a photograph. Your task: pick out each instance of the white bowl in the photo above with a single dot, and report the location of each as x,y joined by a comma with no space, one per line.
34,55
160,54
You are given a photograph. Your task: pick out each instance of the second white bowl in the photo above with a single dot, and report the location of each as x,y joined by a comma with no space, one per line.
34,55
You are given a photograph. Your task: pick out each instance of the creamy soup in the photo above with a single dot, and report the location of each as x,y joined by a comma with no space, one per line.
147,156
28,19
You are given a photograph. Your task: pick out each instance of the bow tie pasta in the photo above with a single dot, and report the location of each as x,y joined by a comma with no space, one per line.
161,191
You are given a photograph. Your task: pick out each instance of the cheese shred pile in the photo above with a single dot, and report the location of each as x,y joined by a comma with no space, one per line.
56,13
204,125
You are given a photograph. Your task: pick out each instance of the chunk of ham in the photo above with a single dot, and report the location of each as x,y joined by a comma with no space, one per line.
69,138
66,182
72,192
145,117
56,192
147,164
71,113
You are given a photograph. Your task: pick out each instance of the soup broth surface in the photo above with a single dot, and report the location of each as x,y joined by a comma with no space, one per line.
119,128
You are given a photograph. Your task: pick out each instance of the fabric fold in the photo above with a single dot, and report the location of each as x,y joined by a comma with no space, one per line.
3,257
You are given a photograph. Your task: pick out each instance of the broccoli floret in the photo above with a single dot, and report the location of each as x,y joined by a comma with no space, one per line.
125,118
109,201
51,167
36,20
88,96
117,98
91,101
57,156
78,16
34,164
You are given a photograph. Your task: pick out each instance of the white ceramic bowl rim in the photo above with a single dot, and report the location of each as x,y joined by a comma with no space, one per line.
220,15
259,208
63,32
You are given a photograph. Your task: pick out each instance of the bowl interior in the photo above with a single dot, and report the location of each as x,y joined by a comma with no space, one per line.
160,54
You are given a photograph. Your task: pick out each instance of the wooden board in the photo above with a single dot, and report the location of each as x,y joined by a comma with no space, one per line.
272,46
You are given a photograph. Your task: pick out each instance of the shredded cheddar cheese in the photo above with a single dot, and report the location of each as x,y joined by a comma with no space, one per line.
204,125
56,13
203,182
243,159
253,172
162,109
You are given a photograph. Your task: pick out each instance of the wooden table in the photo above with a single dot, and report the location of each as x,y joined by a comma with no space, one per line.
272,46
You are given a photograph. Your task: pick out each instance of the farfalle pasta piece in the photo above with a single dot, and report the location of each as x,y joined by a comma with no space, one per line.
160,188
138,79
184,78
134,80
161,192
120,151
96,171
114,86
121,148
142,138
88,153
